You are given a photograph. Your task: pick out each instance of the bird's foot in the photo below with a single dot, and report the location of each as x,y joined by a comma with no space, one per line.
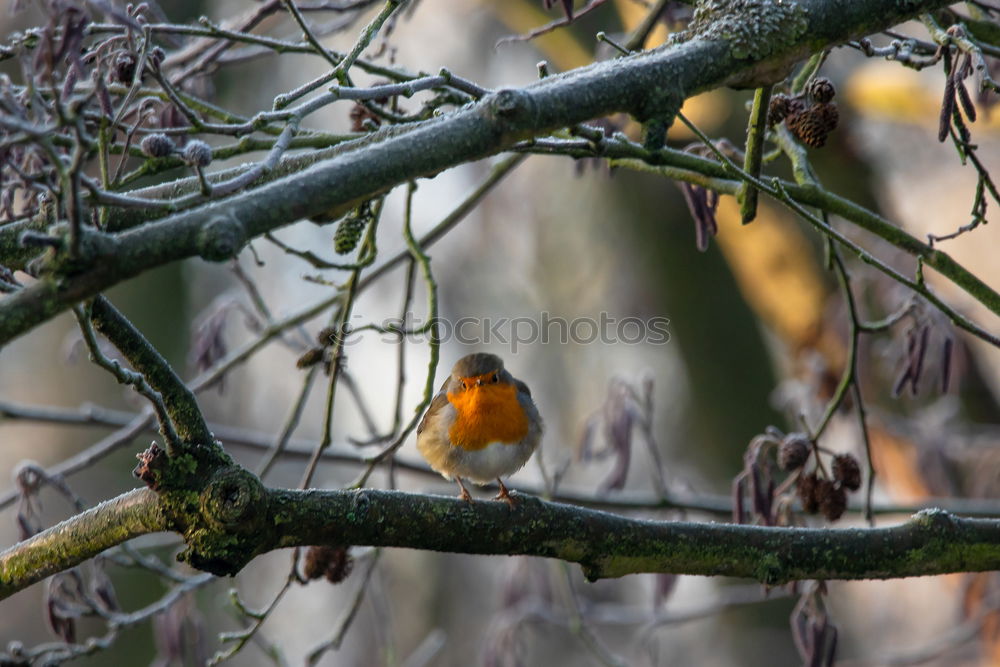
464,495
504,495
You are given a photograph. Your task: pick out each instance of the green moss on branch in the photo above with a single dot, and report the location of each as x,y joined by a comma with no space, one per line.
80,538
608,545
232,518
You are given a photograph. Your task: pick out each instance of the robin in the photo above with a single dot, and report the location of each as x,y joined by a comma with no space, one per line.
482,425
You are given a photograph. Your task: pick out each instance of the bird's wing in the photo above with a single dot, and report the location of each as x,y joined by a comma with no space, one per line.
440,400
521,387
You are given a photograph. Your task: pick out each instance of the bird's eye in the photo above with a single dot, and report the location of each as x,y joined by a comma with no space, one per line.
465,385
496,377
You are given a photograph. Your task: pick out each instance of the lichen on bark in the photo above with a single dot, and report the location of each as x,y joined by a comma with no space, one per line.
754,29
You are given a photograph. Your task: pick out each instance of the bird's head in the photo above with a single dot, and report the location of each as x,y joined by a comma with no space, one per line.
476,371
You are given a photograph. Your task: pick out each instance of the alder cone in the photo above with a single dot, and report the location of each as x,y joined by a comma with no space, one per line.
333,562
832,499
778,109
807,486
794,451
821,90
847,471
813,125
359,114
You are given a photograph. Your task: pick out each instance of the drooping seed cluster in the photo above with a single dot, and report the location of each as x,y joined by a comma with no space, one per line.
811,116
350,228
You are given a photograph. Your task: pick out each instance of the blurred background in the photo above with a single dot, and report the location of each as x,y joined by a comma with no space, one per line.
757,336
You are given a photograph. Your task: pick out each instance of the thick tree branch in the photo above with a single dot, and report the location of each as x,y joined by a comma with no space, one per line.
609,545
604,544
181,404
300,449
650,86
79,538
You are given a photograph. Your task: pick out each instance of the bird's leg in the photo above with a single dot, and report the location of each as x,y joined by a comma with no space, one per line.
504,494
465,492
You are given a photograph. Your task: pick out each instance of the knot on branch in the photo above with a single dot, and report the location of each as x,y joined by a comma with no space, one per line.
94,248
220,508
936,520
226,523
771,570
233,500
511,106
221,238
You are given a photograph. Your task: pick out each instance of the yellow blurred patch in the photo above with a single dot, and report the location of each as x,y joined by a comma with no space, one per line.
774,267
895,462
707,111
559,47
893,92
632,14
563,52
887,89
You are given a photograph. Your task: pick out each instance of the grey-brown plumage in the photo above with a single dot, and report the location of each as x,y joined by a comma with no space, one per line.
457,438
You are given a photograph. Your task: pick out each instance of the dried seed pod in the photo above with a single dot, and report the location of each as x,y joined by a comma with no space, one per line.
796,105
794,451
310,358
807,492
123,69
156,56
814,124
778,109
847,472
103,98
832,499
348,233
327,336
334,563
314,564
821,90
361,116
340,565
198,153
157,145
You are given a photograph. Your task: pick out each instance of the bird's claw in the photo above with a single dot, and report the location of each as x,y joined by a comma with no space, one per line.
504,495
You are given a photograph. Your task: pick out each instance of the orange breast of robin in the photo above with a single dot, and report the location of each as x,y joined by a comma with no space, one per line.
487,413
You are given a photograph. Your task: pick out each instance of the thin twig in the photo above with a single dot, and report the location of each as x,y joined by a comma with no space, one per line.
434,341
342,318
125,376
350,613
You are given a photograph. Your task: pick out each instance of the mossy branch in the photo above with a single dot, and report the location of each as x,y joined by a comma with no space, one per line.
181,405
610,545
236,519
647,85
80,538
